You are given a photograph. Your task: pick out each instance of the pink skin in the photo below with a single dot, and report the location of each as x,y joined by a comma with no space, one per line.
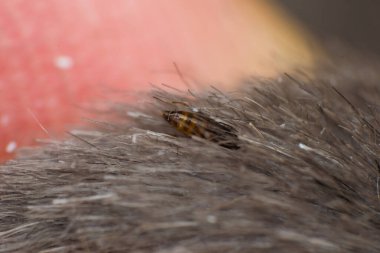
56,55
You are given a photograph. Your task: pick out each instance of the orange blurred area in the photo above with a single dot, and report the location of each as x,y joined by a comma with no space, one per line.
57,55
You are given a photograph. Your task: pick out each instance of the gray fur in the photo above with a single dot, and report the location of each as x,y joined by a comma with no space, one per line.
305,178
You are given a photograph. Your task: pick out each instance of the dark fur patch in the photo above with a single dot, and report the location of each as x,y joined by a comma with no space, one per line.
305,178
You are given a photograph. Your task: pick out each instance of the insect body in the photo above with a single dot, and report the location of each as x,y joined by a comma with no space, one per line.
198,124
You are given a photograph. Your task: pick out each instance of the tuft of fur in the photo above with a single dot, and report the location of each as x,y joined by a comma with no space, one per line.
305,179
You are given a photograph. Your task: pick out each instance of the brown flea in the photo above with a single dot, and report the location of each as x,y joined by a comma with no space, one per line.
198,124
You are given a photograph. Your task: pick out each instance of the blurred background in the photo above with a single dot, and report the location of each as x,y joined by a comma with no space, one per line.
356,23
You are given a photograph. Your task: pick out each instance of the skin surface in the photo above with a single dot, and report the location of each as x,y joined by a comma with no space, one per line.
58,56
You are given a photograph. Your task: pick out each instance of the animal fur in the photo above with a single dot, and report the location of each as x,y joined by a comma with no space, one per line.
305,179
